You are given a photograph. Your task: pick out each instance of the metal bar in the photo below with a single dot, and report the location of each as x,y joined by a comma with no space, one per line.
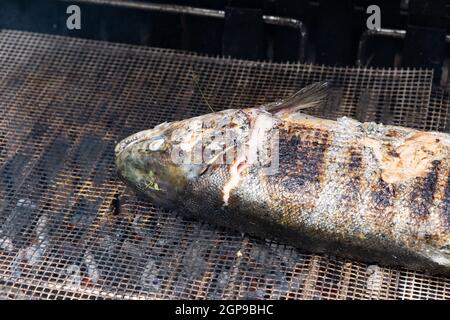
201,12
386,33
156,7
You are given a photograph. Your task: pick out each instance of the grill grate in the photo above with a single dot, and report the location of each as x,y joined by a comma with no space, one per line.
65,102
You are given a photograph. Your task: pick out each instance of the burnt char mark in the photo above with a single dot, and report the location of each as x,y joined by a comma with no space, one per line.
383,195
302,158
355,164
423,194
446,203
352,172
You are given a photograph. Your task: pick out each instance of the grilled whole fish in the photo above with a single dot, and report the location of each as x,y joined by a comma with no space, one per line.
372,192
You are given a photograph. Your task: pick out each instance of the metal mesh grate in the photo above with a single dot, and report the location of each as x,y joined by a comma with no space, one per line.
65,102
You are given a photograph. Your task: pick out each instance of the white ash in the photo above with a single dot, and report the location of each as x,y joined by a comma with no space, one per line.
375,279
6,244
91,266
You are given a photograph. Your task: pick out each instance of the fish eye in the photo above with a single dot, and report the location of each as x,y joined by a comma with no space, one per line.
156,145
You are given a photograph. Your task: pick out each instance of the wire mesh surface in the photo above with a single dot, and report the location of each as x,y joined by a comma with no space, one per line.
65,102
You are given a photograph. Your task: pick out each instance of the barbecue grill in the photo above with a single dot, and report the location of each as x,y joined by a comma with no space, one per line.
70,229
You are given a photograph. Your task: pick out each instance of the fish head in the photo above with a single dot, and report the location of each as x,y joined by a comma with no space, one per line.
143,162
162,162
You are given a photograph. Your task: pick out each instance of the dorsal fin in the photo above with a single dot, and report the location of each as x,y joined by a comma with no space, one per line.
310,96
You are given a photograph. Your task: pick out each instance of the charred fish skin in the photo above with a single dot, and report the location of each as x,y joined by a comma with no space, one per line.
378,194
328,197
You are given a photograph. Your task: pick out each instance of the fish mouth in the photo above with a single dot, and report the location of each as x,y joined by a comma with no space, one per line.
133,139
